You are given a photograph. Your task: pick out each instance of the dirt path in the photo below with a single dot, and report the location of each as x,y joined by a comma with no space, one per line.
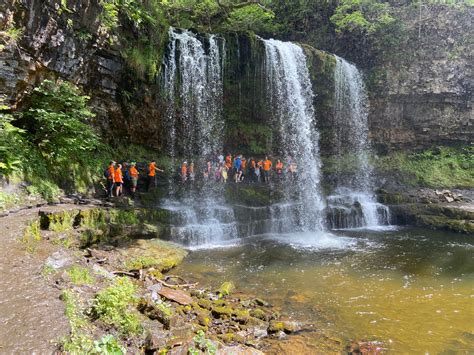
31,313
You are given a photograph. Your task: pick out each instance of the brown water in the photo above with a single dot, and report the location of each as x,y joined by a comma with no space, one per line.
410,290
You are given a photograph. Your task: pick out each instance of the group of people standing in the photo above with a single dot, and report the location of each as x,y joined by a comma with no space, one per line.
237,168
220,168
127,175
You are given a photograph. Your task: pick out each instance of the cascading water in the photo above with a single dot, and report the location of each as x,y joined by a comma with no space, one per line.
192,81
353,204
194,78
290,98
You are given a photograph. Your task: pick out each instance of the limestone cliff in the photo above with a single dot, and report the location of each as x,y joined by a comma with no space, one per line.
419,97
423,95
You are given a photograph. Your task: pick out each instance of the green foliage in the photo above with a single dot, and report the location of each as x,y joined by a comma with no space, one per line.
56,114
31,236
44,188
11,144
108,345
80,275
76,317
363,16
251,18
442,167
8,200
201,343
47,270
112,306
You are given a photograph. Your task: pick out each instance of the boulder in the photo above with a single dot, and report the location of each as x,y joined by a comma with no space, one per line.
177,296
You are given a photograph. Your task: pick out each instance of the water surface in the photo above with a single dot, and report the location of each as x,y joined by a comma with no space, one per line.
411,290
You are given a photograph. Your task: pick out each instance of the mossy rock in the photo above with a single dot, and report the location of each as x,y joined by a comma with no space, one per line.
259,314
283,326
204,303
58,221
241,315
222,312
157,254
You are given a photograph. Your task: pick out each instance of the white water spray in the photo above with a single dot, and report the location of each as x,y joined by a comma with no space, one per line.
352,141
290,98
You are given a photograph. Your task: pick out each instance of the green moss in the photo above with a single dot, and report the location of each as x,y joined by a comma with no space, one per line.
80,275
258,313
61,222
95,218
222,312
204,303
141,262
115,305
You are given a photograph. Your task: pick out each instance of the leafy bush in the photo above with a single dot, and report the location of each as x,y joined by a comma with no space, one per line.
11,144
112,306
57,119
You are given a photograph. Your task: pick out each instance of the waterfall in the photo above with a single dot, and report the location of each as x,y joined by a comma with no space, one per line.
290,98
193,86
354,197
193,77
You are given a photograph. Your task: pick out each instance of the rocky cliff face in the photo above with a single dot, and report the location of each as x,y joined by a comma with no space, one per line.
420,97
424,95
70,43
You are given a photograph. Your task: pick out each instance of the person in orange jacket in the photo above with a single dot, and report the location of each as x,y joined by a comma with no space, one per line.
152,169
133,173
109,174
279,168
118,180
267,166
184,172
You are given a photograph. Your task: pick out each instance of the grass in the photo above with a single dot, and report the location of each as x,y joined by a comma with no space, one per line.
115,305
80,275
441,167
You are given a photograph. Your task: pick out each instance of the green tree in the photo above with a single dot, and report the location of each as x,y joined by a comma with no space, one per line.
362,16
57,120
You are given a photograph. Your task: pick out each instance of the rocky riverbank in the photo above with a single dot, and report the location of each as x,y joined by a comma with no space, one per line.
113,277
431,208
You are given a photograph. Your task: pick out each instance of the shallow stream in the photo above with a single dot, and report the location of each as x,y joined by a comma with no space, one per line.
409,290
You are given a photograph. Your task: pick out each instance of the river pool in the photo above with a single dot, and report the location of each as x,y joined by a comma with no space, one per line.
408,290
